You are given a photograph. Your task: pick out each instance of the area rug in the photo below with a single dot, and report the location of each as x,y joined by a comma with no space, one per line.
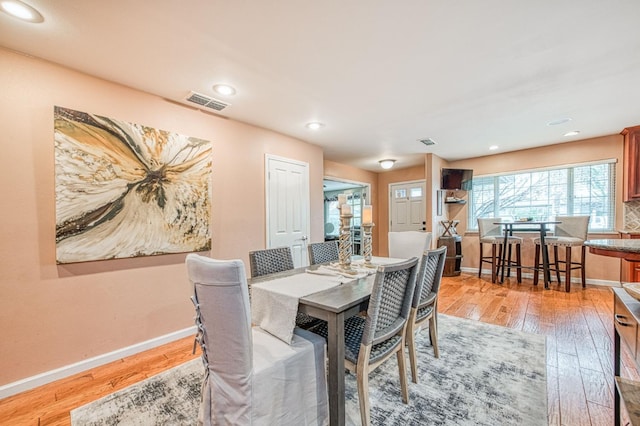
486,375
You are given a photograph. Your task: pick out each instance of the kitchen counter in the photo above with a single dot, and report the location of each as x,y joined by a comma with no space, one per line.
628,249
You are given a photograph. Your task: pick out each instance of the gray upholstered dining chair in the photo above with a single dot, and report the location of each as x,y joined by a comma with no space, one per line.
373,339
323,252
490,233
571,232
270,261
250,376
424,306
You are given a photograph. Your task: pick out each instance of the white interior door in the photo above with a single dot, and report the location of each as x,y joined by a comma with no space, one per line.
408,206
288,215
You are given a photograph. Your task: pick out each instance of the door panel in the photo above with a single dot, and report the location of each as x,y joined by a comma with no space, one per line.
288,216
408,206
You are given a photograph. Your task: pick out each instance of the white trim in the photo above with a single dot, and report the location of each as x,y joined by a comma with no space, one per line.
87,364
546,168
603,283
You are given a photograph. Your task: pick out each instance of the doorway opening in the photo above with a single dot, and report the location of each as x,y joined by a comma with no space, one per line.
358,195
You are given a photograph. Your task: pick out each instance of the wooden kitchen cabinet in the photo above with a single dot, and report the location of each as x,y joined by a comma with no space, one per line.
630,270
631,163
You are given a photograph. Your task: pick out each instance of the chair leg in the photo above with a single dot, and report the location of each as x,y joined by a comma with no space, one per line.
480,262
556,262
411,344
494,266
508,260
567,273
362,377
433,333
402,371
518,263
582,266
536,264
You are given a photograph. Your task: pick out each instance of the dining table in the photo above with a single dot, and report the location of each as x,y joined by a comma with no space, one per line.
332,305
540,226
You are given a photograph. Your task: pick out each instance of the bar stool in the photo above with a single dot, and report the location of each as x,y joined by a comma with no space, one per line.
572,232
489,233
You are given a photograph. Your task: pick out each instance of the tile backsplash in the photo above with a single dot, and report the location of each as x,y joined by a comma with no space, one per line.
632,216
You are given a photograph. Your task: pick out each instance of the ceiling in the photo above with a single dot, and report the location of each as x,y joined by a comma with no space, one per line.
380,75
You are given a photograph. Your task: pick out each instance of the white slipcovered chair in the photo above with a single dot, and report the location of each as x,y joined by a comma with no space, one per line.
251,377
408,244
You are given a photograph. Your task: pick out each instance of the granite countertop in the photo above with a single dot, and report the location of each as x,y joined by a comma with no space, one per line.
629,231
622,245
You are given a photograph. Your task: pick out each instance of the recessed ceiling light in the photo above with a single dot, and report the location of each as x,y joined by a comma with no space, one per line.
493,147
387,164
21,10
224,89
559,121
572,133
314,125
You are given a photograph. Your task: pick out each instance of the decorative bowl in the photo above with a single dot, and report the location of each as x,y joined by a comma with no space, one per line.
633,289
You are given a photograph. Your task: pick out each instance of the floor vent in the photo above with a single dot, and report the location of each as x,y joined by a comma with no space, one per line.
206,101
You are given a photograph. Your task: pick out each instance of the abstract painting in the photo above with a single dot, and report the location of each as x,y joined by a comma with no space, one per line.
127,190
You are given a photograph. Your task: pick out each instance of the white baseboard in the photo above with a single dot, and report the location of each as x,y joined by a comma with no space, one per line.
605,283
78,367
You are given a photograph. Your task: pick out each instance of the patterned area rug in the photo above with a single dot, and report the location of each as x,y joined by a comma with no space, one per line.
486,375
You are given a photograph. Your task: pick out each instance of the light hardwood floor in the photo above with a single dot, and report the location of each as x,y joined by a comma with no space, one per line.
578,326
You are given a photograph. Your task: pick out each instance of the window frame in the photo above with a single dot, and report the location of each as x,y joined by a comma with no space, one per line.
570,185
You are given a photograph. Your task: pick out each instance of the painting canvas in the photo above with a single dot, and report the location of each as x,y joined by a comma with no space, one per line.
127,190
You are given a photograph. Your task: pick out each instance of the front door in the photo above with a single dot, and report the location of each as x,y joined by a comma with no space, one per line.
288,215
408,206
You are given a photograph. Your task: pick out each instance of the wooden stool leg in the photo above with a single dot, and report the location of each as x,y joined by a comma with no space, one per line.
536,264
508,261
494,259
518,263
582,267
556,262
567,272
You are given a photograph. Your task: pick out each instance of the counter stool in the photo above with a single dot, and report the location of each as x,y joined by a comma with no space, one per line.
489,233
572,232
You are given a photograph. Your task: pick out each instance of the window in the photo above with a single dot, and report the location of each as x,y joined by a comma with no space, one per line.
583,189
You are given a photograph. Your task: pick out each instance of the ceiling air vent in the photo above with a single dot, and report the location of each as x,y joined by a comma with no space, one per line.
206,101
427,141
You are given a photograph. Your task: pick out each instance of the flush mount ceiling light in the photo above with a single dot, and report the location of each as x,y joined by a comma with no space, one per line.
224,89
559,121
493,147
572,133
21,10
314,125
386,164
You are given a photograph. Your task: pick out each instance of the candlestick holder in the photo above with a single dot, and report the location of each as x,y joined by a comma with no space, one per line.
344,244
366,244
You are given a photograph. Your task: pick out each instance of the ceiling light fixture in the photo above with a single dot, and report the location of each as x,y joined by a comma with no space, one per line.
224,89
314,125
21,10
559,121
572,133
387,164
493,147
